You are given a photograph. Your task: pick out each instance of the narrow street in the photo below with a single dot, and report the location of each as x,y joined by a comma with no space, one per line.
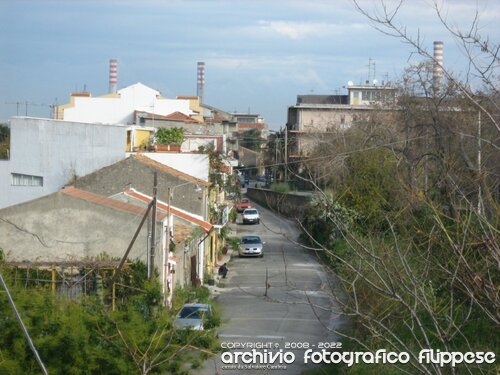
295,310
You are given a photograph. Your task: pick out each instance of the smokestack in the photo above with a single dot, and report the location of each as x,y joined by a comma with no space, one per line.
113,75
438,65
200,83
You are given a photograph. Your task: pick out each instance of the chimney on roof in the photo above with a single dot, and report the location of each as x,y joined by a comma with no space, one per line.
113,75
200,82
438,65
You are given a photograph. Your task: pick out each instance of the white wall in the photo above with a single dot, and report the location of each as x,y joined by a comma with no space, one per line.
56,150
196,165
120,110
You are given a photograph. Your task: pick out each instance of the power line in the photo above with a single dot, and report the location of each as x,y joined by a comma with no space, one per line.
341,153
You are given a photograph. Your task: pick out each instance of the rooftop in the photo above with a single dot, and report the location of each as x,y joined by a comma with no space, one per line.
169,170
108,202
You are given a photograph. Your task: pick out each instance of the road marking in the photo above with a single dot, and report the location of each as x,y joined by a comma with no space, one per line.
277,319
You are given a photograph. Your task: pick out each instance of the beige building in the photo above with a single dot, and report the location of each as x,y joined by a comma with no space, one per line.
317,116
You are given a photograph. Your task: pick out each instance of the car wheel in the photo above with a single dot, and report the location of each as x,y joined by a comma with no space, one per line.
258,221
262,255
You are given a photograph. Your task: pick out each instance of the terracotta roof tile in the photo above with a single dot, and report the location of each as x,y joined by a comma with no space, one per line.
108,202
179,116
207,227
169,170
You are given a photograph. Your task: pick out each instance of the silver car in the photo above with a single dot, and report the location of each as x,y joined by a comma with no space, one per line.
251,245
193,315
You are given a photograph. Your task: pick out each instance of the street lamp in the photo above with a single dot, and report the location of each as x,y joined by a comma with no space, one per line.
170,191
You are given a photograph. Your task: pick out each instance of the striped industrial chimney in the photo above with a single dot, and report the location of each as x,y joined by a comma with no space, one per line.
438,65
113,75
200,82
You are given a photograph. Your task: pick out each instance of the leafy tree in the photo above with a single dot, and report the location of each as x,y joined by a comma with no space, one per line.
251,139
84,337
425,276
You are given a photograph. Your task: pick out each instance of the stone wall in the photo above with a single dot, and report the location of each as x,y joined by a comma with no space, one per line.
293,205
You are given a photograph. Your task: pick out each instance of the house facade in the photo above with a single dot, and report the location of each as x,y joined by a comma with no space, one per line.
46,154
314,117
120,107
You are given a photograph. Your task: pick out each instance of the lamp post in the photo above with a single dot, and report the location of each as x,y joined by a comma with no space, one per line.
170,191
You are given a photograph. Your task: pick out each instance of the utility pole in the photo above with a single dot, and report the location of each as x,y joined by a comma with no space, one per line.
26,104
167,249
286,154
153,228
17,106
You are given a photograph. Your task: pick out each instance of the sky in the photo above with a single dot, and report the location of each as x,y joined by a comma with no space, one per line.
259,54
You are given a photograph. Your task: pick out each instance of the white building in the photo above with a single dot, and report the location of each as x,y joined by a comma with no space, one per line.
120,107
47,154
196,165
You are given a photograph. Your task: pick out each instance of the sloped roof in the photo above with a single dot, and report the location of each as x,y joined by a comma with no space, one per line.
169,170
181,231
206,226
179,116
108,202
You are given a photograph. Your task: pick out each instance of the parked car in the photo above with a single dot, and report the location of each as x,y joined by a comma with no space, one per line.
251,245
251,216
193,316
243,205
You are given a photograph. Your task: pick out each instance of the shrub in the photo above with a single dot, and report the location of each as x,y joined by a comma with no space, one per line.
170,136
281,188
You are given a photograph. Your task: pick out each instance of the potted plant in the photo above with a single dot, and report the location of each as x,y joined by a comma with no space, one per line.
169,139
233,215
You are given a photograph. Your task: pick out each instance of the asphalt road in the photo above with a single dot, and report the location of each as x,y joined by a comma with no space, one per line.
280,301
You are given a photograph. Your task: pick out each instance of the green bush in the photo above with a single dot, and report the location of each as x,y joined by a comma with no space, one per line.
280,188
170,136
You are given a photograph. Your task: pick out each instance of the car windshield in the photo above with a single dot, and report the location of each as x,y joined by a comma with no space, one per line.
245,201
251,212
192,312
251,240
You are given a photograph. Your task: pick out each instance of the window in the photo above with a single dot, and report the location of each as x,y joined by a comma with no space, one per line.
26,180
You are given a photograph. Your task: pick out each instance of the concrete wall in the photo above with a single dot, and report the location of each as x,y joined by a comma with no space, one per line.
133,173
288,204
57,151
119,109
196,165
59,227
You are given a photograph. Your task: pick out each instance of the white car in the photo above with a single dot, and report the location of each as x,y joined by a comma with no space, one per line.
251,216
193,315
